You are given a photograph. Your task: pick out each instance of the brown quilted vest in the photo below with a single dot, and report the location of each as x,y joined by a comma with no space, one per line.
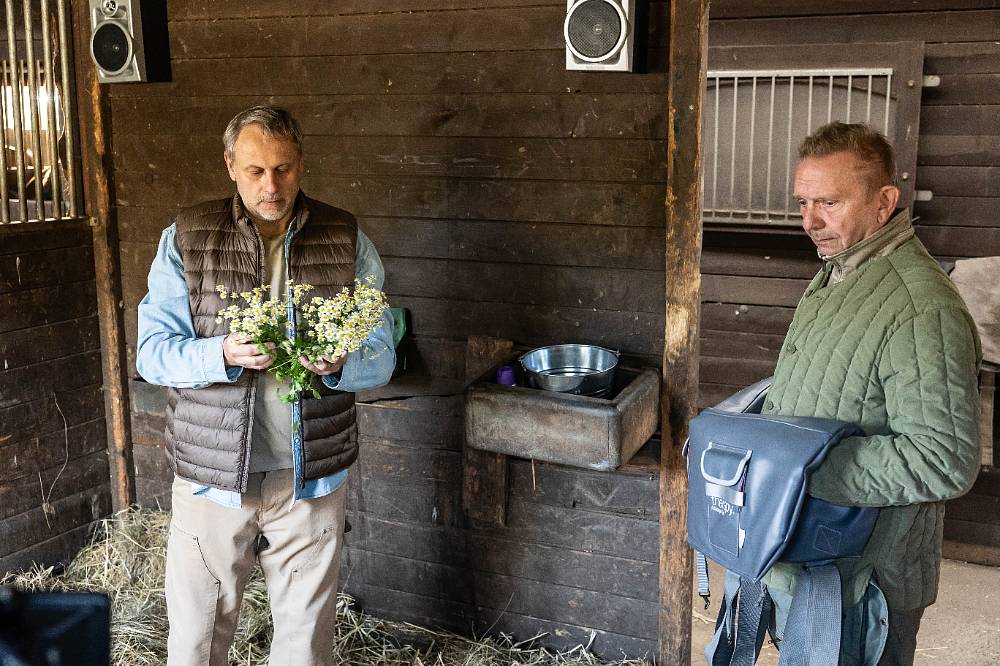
208,429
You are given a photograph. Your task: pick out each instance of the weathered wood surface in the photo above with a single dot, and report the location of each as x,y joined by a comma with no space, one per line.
53,440
422,114
576,545
484,473
28,529
941,26
689,64
581,431
781,8
972,522
94,131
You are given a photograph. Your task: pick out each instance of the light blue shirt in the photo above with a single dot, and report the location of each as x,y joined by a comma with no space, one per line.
169,352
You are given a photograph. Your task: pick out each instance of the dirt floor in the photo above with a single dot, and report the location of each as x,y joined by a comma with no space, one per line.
962,628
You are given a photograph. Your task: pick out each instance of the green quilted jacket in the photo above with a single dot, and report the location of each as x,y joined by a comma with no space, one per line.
891,347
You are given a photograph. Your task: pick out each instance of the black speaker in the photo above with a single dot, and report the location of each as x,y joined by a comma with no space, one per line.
128,40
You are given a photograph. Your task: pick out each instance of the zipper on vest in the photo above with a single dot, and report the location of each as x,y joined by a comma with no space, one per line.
298,473
252,393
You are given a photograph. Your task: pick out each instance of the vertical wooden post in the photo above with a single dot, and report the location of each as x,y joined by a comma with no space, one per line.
94,121
686,80
484,474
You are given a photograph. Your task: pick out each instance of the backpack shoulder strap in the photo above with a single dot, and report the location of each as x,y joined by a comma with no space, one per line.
812,632
742,623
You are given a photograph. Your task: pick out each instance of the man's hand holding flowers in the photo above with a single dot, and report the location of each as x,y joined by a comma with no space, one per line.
328,329
240,349
324,365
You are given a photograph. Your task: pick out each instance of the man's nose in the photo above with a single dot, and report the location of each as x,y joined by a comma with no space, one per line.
810,220
270,181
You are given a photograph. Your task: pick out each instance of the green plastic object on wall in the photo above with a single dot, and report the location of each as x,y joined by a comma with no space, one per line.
399,330
398,325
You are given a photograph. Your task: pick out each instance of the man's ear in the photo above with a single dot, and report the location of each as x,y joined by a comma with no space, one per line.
888,197
229,166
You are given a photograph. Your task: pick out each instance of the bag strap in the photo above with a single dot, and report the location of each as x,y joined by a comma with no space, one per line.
719,651
754,616
812,632
742,623
701,572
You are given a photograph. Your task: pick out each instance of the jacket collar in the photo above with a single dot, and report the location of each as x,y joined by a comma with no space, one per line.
896,231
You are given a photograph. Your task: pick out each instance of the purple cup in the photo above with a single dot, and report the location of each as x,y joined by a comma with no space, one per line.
505,375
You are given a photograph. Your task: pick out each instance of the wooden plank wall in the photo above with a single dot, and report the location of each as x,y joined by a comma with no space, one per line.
577,559
757,280
53,461
507,197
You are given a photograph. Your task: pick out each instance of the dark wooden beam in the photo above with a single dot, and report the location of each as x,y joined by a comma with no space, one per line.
94,126
484,475
686,84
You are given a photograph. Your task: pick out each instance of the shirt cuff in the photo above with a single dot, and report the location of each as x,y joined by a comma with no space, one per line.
214,362
333,381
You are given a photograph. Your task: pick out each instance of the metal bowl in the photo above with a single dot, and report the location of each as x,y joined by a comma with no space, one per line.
579,369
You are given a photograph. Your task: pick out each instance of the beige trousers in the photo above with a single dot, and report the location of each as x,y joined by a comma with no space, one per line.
210,555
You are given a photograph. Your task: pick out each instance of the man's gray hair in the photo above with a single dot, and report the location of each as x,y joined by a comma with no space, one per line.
274,121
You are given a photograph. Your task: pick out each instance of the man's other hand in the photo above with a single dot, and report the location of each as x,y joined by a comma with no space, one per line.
324,365
237,349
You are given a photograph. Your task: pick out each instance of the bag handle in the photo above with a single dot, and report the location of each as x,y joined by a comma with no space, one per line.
719,481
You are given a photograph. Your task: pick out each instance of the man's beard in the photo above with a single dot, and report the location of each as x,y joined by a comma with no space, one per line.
270,215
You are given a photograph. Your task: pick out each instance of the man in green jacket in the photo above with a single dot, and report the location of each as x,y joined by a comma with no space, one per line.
882,339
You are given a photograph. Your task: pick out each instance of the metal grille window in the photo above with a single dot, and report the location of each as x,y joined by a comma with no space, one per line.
754,120
38,163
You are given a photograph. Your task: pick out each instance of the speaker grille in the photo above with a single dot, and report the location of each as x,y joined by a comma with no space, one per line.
112,47
594,28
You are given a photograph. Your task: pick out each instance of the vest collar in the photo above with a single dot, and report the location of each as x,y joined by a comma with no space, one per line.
896,231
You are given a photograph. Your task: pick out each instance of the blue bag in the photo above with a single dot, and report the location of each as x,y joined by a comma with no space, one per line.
748,508
747,502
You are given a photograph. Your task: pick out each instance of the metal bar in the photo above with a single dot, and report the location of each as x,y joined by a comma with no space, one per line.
850,91
5,205
788,145
848,110
868,101
829,101
36,138
715,148
888,103
732,149
68,104
50,110
770,149
809,108
15,90
45,136
753,117
799,73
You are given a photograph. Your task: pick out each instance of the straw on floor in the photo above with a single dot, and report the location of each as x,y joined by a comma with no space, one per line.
126,559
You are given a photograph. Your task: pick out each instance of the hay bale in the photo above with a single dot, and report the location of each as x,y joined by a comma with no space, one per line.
126,558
